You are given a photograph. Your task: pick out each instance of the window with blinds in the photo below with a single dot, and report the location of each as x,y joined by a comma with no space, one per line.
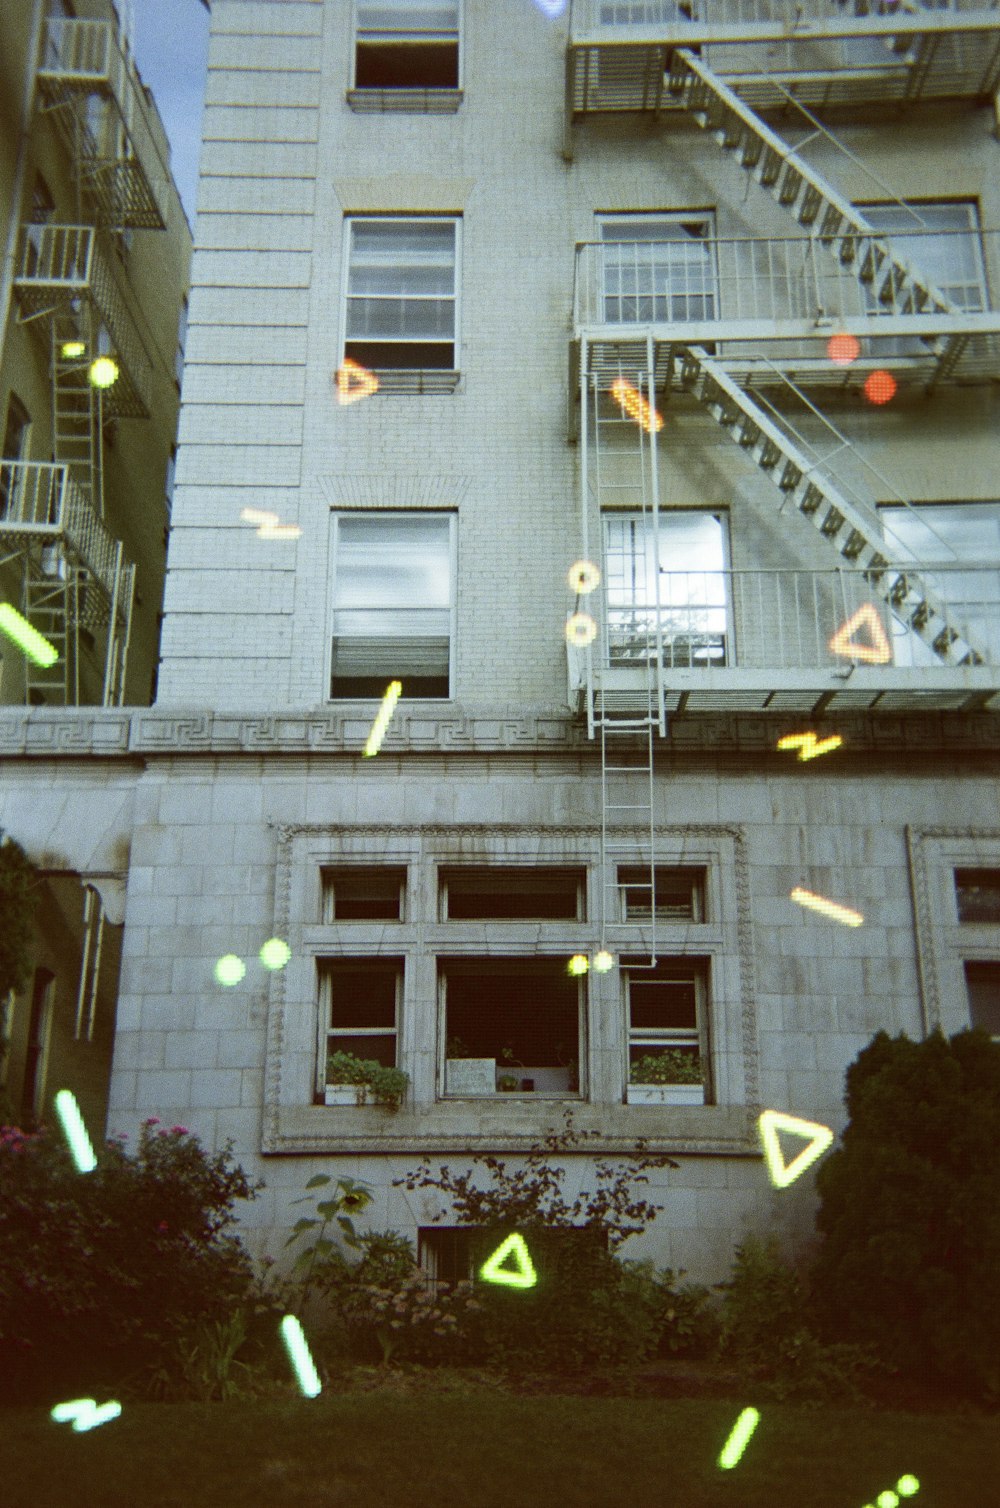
402,293
406,44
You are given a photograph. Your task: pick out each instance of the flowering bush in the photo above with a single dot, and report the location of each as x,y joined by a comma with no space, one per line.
102,1273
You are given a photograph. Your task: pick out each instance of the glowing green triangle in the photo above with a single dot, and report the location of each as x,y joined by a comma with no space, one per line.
782,1173
524,1277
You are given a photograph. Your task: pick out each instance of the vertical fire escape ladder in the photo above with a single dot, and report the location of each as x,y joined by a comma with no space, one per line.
90,963
829,217
625,476
821,503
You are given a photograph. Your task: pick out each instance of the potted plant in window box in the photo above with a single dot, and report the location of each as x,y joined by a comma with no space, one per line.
363,1081
668,1077
508,1080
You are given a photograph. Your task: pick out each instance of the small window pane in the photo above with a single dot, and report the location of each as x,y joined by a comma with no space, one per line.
679,893
363,894
982,981
663,1004
978,895
512,893
362,995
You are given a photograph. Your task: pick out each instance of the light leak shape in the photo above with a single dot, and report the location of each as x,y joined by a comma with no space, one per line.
85,1413
739,1435
524,1277
773,1121
831,909
880,387
843,349
603,962
808,745
75,1131
275,953
103,372
300,1356
583,577
71,349
28,639
581,630
551,8
878,652
393,692
906,1487
354,382
578,964
269,526
230,969
635,405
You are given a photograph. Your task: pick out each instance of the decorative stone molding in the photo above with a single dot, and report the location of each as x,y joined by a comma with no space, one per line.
376,490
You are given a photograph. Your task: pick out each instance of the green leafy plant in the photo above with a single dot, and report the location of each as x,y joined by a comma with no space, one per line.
349,1198
669,1066
18,880
507,1082
456,1048
388,1085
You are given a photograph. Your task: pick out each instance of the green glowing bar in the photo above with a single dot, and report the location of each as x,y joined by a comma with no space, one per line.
737,1442
382,718
34,644
298,1355
75,1131
85,1414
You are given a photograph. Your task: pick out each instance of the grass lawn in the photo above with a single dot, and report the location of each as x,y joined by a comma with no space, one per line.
490,1450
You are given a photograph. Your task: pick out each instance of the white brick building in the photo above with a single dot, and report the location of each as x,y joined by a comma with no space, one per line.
536,231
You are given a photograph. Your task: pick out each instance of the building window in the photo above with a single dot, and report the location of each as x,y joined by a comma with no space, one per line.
677,894
402,294
957,548
667,1014
392,604
977,892
684,569
37,1049
16,431
507,893
520,1018
659,268
982,982
943,242
445,1254
359,1004
406,44
360,894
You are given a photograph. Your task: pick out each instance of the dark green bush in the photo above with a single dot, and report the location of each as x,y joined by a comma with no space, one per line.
105,1275
17,906
910,1211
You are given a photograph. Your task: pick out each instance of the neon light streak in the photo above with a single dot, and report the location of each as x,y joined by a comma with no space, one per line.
603,962
583,577
525,1276
877,653
739,1435
782,1173
635,406
906,1487
75,1131
581,630
230,969
578,964
269,526
103,372
392,694
807,744
275,953
831,909
354,382
28,639
300,1357
85,1414
72,348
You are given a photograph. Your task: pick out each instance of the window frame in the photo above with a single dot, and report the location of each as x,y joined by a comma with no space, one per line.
993,963
453,90
908,650
324,1007
446,871
332,870
712,294
700,1035
395,217
699,893
335,517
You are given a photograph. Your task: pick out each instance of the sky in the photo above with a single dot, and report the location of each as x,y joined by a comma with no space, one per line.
171,45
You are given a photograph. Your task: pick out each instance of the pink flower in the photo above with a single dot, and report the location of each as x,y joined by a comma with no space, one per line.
178,1130
153,1121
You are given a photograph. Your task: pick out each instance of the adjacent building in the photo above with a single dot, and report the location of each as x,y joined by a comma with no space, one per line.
623,383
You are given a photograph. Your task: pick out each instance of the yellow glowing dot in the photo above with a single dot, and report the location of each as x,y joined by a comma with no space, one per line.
581,630
103,372
583,577
578,964
887,1499
907,1486
275,953
603,961
73,348
230,969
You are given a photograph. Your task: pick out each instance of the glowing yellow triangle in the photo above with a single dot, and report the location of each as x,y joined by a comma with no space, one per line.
773,1121
876,653
492,1271
354,382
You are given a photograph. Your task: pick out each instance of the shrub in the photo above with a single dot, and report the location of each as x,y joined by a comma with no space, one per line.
910,1210
17,904
387,1084
670,1066
104,1275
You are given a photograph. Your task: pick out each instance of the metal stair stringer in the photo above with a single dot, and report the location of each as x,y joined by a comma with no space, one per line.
829,217
821,503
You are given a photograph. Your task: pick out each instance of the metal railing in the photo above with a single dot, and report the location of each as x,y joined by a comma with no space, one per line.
84,52
786,619
718,281
592,16
42,499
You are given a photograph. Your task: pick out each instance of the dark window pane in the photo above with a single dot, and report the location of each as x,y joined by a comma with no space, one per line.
381,1049
390,356
363,894
407,65
658,1003
679,893
512,893
360,994
978,892
982,981
528,1005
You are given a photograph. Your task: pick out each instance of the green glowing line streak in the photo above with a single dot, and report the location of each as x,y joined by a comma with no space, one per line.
34,644
299,1356
84,1413
75,1132
737,1442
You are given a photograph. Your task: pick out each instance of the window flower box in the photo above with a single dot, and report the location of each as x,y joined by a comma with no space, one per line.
349,1094
666,1094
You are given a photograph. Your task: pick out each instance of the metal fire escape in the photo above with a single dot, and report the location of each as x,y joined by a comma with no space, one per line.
760,342
77,588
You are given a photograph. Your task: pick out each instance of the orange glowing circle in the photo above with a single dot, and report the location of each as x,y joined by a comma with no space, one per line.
581,630
843,349
880,387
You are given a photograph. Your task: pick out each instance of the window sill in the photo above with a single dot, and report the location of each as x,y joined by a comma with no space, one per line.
404,101
665,1094
398,381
